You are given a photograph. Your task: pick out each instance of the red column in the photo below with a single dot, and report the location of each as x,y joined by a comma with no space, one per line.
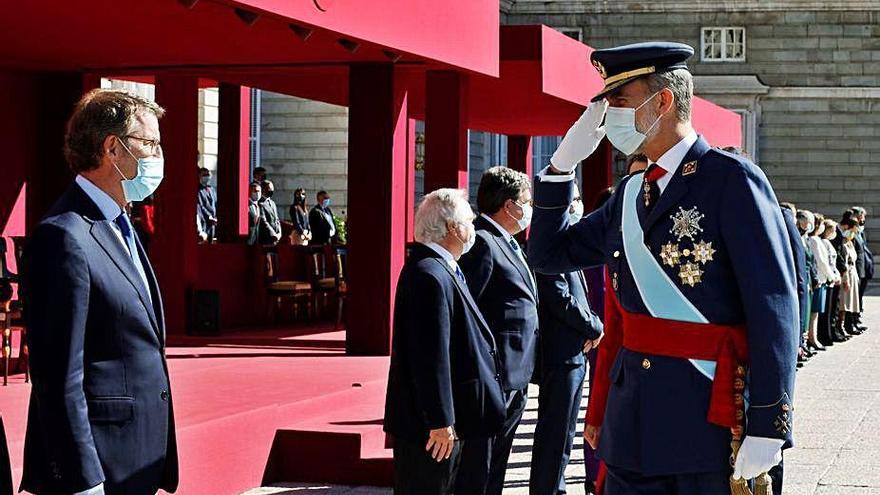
410,179
377,161
446,133
596,174
233,161
173,250
19,141
519,154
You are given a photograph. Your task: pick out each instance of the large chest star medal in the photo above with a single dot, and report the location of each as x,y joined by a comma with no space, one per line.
686,224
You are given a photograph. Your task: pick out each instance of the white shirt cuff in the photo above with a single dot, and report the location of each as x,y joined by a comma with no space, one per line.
545,176
95,490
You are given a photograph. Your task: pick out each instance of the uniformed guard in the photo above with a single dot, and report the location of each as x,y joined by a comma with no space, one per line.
694,392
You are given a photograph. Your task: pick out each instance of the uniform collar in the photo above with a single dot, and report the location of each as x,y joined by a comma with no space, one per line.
105,203
671,160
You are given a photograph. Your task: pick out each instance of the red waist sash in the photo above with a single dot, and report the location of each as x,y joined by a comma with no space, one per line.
724,344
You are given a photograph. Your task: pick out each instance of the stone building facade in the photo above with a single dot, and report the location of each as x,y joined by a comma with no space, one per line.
804,74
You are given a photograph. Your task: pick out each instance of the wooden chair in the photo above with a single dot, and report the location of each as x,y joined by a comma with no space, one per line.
323,282
299,292
341,284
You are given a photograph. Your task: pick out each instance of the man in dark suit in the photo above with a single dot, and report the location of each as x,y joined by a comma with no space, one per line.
503,286
270,224
864,262
321,220
444,386
207,207
100,417
569,328
255,213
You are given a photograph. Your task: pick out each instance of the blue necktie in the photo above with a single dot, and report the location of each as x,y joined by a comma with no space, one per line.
125,227
460,274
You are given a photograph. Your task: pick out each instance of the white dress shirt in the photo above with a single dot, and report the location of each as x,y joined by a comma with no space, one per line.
519,252
446,255
106,205
671,160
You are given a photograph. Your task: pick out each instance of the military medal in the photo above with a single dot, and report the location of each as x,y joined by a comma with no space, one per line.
691,274
670,254
647,190
686,223
703,252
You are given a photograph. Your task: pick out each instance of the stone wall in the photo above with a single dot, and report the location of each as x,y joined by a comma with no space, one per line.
809,88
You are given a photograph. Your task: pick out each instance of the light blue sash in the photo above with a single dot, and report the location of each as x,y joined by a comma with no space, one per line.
659,294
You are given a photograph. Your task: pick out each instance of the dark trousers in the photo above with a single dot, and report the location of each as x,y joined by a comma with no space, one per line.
776,474
863,285
623,482
591,459
559,402
484,460
417,473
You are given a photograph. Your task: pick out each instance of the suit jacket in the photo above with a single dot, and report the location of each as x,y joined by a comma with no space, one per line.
655,419
321,225
500,283
444,363
300,219
207,205
270,225
254,218
869,257
100,407
800,263
861,257
566,319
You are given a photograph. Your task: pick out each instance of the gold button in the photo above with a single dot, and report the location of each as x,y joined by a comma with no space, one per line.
646,364
616,254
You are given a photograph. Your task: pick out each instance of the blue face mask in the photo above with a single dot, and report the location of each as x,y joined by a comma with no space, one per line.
325,203
150,172
620,127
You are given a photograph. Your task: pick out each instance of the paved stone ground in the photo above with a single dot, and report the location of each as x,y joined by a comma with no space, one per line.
837,429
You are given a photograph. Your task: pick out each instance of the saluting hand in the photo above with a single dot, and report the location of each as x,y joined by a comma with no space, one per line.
582,138
440,443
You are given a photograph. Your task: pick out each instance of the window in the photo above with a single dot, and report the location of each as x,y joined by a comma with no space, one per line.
724,44
574,33
254,131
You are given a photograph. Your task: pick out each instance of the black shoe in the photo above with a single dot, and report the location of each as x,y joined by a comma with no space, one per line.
816,347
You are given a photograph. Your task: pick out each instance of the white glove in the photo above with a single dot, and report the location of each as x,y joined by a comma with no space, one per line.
582,138
757,455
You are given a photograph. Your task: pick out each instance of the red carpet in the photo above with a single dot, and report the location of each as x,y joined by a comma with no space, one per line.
237,395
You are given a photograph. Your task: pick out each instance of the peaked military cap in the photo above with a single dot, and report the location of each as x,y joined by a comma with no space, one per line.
622,64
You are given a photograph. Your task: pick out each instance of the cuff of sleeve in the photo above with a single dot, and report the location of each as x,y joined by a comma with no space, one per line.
545,176
771,421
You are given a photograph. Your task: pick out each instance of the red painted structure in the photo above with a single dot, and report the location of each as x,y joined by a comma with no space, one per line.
390,61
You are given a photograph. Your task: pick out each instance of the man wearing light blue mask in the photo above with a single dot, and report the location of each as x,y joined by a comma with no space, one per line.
321,220
701,368
101,418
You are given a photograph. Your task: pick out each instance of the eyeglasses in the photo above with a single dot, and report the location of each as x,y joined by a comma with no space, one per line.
154,145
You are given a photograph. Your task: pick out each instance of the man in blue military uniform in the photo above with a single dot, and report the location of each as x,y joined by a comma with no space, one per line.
702,272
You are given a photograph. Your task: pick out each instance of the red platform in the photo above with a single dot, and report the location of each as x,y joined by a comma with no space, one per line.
273,405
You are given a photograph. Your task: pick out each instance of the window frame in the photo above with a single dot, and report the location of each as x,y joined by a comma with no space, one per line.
724,30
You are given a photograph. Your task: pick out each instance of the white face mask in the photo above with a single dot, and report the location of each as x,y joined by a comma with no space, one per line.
526,220
620,127
468,244
150,172
575,212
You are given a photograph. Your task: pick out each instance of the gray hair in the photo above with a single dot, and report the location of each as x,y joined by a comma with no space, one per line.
437,210
497,185
681,83
859,211
806,216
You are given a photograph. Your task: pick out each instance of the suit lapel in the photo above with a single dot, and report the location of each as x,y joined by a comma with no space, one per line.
106,238
158,308
466,294
511,255
678,186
